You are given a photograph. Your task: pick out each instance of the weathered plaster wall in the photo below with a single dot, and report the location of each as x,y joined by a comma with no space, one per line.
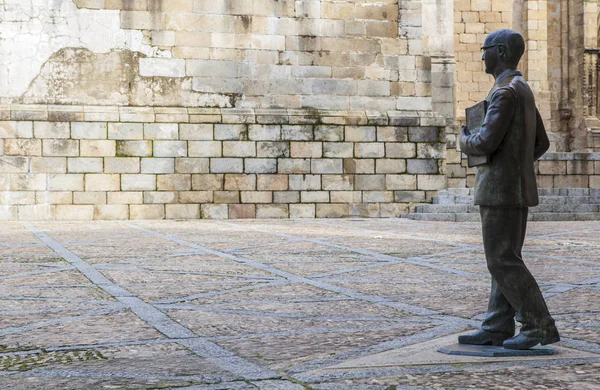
242,53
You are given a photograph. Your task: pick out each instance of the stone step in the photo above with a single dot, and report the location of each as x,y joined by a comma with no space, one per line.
542,208
473,217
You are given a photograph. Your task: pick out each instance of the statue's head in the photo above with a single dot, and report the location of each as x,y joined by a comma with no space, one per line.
502,48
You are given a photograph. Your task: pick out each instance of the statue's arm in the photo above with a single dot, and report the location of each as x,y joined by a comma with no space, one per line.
498,117
542,143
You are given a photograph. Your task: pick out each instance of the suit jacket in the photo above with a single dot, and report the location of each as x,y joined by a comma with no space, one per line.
513,135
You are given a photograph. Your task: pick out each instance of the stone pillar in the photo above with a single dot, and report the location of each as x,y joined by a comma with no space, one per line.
438,27
535,64
575,11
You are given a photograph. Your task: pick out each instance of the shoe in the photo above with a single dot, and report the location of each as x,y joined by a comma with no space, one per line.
481,337
522,341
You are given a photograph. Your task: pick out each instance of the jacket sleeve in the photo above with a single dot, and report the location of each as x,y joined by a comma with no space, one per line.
499,114
542,143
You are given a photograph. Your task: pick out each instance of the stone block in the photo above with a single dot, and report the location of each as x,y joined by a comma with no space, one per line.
160,197
304,182
392,134
302,210
126,131
205,149
195,197
352,165
257,196
14,164
214,211
23,147
297,132
338,149
273,149
231,132
400,182
60,148
260,165
66,182
161,131
264,132
54,197
102,182
400,150
100,113
422,166
174,182
367,210
48,165
324,210
240,182
192,165
134,148
239,149
241,211
226,197
88,130
36,212
97,148
423,134
571,181
89,197
121,165
196,131
431,182
369,150
294,165
578,167
74,213
25,182
329,133
387,165
431,151
360,133
306,149
370,182
550,167
44,129
111,212
338,182
136,114
85,165
267,211
226,165
17,197
170,149
409,196
378,196
272,182
314,196
125,197
182,211
286,197
327,165
138,182
207,182
146,211
157,165
21,129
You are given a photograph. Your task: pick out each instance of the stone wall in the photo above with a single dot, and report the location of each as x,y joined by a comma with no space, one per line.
101,162
341,55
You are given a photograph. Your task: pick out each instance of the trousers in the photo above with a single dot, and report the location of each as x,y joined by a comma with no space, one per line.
515,292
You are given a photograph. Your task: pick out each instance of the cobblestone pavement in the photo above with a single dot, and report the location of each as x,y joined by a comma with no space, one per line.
279,305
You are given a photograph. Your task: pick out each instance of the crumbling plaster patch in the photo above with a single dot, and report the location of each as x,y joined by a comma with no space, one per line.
31,31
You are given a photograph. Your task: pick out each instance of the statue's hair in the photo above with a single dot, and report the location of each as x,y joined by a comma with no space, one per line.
513,43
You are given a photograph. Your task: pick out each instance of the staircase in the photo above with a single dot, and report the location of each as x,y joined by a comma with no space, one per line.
556,204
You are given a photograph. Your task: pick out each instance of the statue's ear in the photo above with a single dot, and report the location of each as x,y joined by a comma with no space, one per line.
501,50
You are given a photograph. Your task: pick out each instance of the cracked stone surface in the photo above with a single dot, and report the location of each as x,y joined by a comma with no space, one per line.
285,304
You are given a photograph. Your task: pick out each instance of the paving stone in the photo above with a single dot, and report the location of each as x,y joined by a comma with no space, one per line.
278,304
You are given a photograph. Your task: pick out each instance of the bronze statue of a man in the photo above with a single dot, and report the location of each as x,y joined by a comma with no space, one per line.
513,136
